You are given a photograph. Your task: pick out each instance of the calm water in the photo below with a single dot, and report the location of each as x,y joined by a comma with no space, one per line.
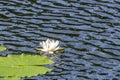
88,29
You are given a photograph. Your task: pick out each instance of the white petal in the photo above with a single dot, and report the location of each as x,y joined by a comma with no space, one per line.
48,41
44,45
51,46
51,52
57,48
44,50
56,43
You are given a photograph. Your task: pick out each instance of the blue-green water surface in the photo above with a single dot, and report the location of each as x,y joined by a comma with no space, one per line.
89,30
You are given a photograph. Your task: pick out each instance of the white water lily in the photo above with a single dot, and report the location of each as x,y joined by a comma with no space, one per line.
49,46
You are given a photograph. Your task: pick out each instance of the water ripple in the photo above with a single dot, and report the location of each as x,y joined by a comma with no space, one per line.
88,29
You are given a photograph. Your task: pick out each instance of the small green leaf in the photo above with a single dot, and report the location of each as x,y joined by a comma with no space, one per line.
2,48
24,65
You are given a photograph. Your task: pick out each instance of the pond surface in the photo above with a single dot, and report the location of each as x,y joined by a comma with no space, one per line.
89,30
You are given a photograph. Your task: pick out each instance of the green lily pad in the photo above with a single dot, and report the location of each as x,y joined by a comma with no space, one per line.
10,78
23,65
2,48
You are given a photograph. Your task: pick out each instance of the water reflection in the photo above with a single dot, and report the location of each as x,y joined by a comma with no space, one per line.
88,29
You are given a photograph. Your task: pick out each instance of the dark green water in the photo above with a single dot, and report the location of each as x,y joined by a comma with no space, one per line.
88,29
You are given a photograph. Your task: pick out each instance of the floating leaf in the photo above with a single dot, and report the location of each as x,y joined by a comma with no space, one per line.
2,48
10,78
23,65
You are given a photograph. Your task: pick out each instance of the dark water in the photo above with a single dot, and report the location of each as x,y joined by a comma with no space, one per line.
88,29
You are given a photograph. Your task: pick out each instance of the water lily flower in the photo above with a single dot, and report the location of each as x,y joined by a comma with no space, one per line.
49,46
